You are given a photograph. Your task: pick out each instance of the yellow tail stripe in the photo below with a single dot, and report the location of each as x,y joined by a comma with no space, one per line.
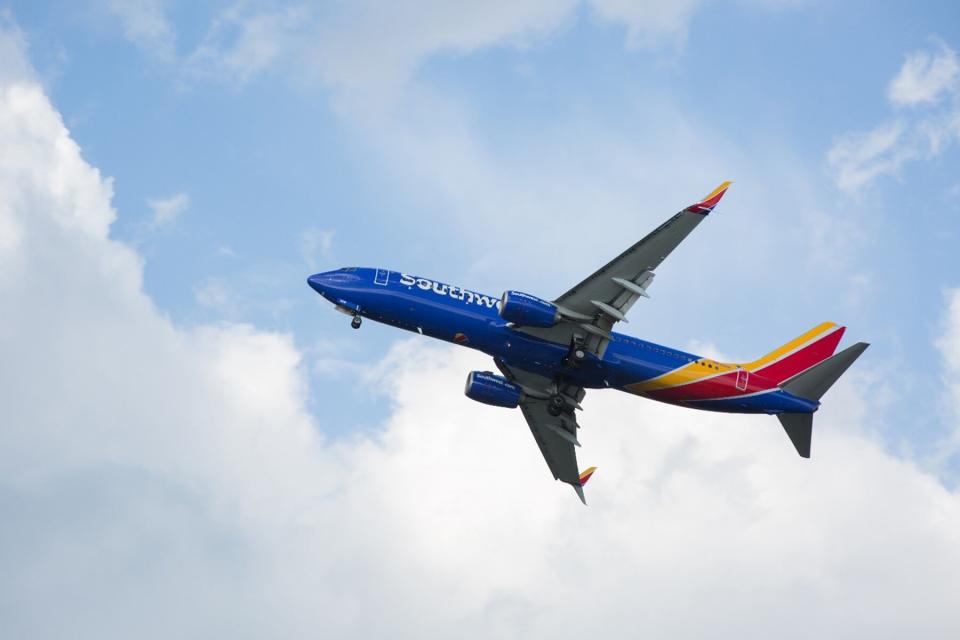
691,372
705,368
790,346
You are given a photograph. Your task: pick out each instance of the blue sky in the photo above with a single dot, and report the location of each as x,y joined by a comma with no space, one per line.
515,145
272,151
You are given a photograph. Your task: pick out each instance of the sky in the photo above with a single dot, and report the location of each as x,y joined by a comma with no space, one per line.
193,443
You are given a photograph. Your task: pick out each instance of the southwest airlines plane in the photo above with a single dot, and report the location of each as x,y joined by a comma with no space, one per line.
550,353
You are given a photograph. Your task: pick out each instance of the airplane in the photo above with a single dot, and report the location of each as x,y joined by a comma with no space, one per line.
549,353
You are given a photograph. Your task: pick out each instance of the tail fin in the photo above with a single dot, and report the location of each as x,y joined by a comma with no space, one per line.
799,354
811,385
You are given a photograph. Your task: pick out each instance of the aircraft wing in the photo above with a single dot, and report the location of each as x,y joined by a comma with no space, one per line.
605,297
555,435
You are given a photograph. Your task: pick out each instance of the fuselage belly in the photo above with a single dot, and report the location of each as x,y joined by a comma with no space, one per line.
471,319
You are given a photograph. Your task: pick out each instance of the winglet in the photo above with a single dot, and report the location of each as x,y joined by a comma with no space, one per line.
706,205
586,475
578,486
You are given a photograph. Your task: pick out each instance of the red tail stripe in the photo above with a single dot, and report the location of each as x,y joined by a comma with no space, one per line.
802,359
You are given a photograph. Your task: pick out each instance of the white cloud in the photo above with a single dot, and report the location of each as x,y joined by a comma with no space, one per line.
650,24
925,76
242,42
167,210
368,50
949,346
161,481
315,245
858,158
226,251
213,293
145,25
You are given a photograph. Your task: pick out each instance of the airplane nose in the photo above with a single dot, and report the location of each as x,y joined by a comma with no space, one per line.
316,282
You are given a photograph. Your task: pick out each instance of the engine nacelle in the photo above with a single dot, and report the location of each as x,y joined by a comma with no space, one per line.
492,389
526,310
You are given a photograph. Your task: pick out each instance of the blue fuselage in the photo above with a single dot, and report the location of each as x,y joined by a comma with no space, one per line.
472,319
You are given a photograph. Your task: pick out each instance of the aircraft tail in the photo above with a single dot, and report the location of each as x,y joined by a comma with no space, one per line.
799,354
814,382
811,384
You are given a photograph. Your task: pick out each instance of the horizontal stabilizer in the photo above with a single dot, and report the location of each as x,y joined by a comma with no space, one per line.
814,382
799,426
811,385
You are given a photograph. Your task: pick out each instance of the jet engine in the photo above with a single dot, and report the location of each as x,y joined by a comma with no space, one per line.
492,389
526,310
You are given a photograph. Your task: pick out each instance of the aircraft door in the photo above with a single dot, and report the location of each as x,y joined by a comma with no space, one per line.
381,277
743,376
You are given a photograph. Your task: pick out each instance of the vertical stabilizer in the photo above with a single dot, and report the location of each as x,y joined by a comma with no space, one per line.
799,354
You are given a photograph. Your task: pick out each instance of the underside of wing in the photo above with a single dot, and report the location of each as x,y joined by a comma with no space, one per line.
554,431
591,309
558,449
611,284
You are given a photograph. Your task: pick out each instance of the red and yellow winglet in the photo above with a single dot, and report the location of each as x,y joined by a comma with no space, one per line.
586,475
578,487
706,205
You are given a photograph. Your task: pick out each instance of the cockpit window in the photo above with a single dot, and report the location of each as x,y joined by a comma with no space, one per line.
348,269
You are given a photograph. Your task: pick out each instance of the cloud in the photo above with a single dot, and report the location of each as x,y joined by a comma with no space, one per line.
361,47
167,210
949,346
369,50
166,481
242,42
650,24
925,76
145,25
214,293
929,82
859,158
316,243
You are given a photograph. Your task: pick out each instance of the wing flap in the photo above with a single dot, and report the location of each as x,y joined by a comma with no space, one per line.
556,436
601,300
636,264
557,450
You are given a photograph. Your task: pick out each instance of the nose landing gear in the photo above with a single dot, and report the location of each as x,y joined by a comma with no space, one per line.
356,322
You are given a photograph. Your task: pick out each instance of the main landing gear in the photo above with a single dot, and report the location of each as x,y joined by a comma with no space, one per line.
557,405
356,322
563,399
576,354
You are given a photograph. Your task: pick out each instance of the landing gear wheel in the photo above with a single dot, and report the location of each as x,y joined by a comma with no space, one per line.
556,406
355,323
